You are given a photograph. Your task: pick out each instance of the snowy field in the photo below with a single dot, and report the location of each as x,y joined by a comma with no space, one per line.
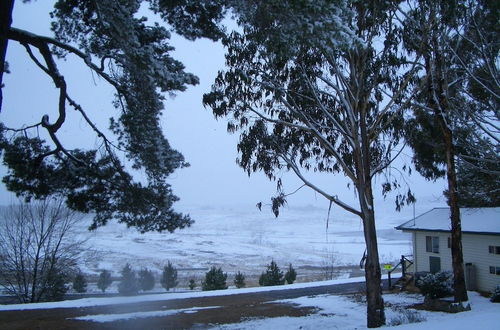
332,312
246,240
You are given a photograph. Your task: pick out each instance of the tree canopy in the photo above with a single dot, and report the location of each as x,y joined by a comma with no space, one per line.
120,46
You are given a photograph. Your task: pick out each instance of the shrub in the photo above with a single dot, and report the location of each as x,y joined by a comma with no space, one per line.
146,279
437,285
495,297
128,285
406,316
79,283
215,279
55,285
169,276
239,280
192,284
290,275
104,280
272,276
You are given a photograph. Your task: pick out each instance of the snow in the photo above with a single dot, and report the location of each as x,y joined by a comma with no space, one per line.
89,302
246,240
344,312
330,311
474,220
102,318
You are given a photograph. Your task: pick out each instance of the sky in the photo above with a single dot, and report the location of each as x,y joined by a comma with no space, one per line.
214,178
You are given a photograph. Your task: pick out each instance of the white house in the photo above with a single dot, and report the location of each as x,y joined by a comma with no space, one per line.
480,243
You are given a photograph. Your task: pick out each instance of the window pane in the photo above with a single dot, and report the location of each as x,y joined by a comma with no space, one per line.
492,270
498,270
497,249
435,244
491,249
428,243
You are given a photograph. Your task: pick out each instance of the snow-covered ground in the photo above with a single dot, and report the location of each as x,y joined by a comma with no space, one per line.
332,312
246,240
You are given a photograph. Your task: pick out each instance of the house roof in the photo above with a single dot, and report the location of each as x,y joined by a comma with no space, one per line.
484,220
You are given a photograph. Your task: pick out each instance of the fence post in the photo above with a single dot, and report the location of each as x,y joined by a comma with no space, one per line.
403,265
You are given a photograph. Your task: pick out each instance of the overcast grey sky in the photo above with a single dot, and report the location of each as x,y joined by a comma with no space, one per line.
213,178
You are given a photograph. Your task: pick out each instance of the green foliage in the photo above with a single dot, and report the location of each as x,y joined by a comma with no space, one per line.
437,285
192,284
290,275
128,285
272,276
239,280
495,296
104,280
215,279
117,43
146,279
80,283
54,287
169,276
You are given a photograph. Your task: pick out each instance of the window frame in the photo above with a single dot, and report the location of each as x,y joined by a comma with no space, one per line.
494,270
432,244
494,249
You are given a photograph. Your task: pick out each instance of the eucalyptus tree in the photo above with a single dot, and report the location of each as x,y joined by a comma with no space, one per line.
121,47
455,117
319,86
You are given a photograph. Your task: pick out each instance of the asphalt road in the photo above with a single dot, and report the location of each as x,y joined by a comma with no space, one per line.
218,310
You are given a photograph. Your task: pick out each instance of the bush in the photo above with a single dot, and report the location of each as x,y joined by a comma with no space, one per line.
272,276
169,276
290,275
79,283
406,316
192,284
55,285
104,280
437,285
239,280
128,285
215,279
146,279
495,297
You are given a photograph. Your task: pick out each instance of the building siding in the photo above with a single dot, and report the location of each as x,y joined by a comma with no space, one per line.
475,250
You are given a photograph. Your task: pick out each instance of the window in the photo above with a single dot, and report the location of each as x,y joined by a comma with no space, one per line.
494,249
494,270
432,244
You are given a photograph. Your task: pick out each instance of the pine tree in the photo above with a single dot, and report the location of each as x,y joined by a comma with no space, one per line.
272,276
290,275
239,280
104,280
128,285
215,279
169,277
146,279
192,284
80,283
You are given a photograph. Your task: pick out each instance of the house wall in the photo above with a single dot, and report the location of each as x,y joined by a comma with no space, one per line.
475,250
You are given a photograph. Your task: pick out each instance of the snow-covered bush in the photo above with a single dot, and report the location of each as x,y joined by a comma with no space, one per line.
128,285
239,280
215,279
290,275
406,316
495,297
104,280
272,276
192,284
436,285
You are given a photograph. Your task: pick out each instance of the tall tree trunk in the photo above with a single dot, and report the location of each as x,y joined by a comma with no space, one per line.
374,300
438,90
6,7
456,225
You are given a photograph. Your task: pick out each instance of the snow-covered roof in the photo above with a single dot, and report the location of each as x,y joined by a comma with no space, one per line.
485,220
